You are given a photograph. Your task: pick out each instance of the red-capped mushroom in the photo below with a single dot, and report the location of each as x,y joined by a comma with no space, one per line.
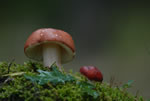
50,45
92,73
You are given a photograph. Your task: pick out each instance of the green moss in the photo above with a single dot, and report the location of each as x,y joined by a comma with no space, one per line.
15,87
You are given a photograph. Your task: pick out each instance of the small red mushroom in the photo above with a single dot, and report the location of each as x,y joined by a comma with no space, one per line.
92,73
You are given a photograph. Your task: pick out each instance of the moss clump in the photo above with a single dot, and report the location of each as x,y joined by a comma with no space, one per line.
15,87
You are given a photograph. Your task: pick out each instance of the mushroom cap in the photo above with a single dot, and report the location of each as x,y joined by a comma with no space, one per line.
33,45
92,73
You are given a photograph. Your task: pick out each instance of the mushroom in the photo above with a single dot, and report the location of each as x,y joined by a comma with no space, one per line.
92,73
50,45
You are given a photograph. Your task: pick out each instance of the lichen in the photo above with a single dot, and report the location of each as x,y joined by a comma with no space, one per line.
15,87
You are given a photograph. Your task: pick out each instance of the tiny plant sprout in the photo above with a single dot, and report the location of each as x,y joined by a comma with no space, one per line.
50,45
92,73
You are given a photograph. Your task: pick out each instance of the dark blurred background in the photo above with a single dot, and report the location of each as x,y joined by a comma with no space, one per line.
114,36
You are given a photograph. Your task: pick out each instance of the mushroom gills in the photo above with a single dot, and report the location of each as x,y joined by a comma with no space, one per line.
51,53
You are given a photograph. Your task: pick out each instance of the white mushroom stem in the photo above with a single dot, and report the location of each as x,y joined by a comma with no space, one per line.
51,54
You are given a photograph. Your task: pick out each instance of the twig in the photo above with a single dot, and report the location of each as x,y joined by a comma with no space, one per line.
8,79
14,74
112,81
9,65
